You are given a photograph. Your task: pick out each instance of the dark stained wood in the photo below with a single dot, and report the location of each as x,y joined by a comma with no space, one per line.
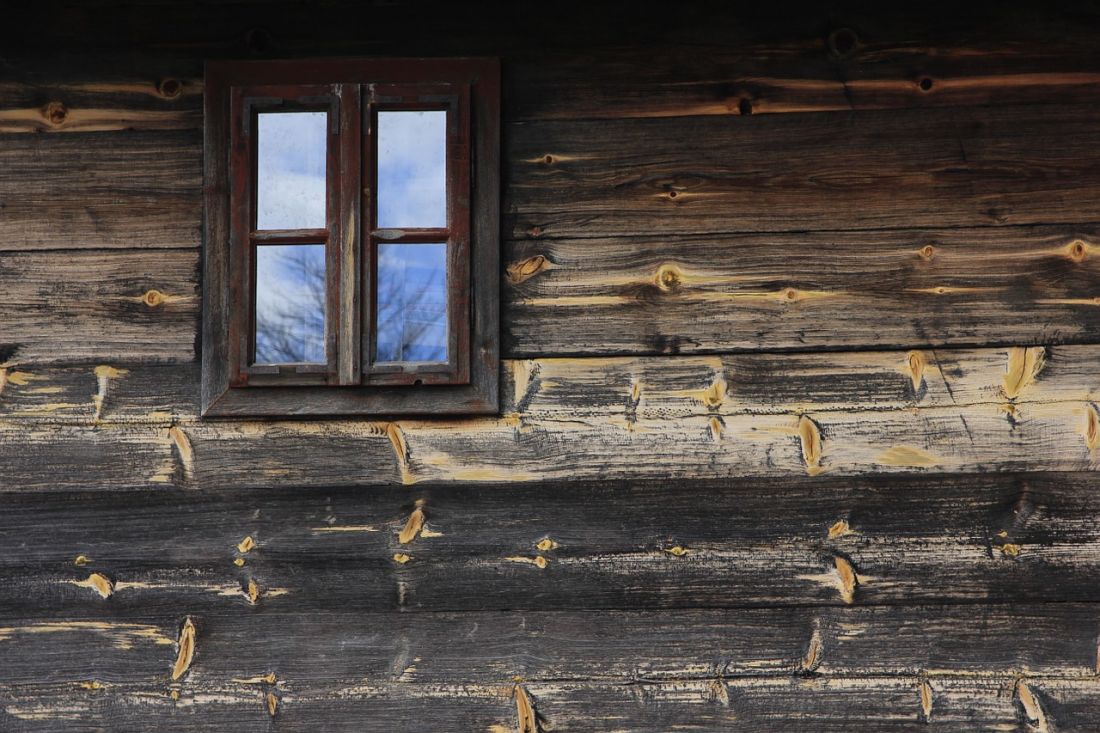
834,705
696,666
869,170
611,545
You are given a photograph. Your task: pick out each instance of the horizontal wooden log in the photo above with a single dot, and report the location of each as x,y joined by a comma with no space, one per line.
781,77
169,103
841,705
766,415
658,544
612,63
786,173
133,190
636,388
320,651
677,663
802,291
92,305
1021,286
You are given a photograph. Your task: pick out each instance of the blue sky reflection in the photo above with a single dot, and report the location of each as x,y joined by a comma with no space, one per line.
290,304
412,302
412,169
290,190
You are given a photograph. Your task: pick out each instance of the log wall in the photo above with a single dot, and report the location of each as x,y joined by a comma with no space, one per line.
801,395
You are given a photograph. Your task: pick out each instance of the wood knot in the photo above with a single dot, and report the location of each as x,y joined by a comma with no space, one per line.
842,43
1092,427
915,367
925,84
535,231
668,278
153,298
548,159
524,270
809,435
1077,250
677,550
169,88
790,294
744,107
55,113
927,252
185,649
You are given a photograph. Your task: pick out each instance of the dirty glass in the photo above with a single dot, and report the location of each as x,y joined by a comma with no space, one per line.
290,170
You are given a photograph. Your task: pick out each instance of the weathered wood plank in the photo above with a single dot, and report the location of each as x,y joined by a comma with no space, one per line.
169,103
320,651
632,387
772,292
658,544
128,190
692,417
802,291
706,60
867,170
841,705
686,667
94,305
778,77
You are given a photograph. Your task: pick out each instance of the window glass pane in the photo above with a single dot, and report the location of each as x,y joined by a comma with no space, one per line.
290,303
412,302
290,170
412,169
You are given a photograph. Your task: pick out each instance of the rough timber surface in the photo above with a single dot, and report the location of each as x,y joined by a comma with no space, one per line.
762,669
801,422
557,546
860,413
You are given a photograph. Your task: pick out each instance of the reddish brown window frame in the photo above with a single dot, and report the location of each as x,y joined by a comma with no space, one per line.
352,91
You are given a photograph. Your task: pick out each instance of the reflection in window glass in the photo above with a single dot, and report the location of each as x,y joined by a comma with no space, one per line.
290,170
412,302
290,304
412,169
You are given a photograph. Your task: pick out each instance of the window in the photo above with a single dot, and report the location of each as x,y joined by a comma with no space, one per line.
351,237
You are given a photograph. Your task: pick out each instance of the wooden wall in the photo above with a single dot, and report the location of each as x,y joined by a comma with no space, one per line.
801,390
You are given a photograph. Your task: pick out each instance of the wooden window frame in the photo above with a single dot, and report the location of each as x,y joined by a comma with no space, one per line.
352,91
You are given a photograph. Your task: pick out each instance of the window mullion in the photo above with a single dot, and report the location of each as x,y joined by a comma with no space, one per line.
347,237
367,250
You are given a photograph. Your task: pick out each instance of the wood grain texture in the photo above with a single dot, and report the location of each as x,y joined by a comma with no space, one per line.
577,671
608,545
702,59
614,296
630,388
685,294
132,190
840,705
66,307
869,170
686,418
